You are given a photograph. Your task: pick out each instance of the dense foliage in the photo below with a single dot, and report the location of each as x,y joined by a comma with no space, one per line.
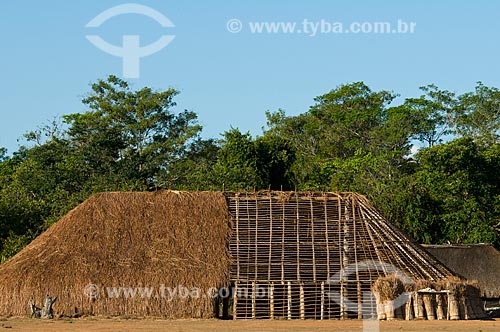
351,139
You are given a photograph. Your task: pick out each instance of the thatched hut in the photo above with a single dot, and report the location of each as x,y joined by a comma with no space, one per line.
139,241
480,262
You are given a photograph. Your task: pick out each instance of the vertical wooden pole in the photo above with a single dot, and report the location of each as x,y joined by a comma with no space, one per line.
283,225
440,310
270,237
271,301
345,259
322,312
237,239
298,235
302,306
225,307
289,301
408,306
448,316
355,250
253,299
216,302
327,242
341,259
417,307
312,239
256,253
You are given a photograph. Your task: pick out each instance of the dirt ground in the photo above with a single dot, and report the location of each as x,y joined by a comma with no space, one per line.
108,325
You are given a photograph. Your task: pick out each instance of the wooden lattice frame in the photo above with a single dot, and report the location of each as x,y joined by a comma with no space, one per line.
293,243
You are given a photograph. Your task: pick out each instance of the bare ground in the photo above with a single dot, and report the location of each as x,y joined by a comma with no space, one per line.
126,325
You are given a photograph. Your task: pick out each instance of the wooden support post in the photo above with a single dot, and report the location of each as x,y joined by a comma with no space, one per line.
237,229
271,301
454,307
256,252
429,305
283,225
225,307
302,306
341,260
253,299
289,301
440,310
270,238
345,260
313,243
327,242
416,306
342,297
409,313
448,316
322,312
358,280
420,309
216,302
298,236
235,300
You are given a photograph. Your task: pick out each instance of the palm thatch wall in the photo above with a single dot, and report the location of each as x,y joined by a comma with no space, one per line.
124,239
479,262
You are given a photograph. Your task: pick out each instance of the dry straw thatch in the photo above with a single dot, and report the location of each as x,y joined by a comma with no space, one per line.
389,288
386,290
479,262
124,239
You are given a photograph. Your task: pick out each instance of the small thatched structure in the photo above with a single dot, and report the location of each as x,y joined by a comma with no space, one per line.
479,262
125,240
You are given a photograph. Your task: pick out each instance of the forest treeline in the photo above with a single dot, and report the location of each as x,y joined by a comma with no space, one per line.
351,139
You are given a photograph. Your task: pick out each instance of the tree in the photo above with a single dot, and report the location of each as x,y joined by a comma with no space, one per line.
194,171
133,134
3,154
431,114
275,157
245,163
478,115
236,167
456,192
347,116
349,140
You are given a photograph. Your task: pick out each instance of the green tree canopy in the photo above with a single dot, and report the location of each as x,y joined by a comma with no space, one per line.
350,139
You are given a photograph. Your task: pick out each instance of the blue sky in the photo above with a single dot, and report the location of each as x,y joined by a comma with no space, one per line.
231,79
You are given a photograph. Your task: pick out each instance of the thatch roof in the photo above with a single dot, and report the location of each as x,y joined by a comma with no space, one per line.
124,239
311,238
479,262
276,233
